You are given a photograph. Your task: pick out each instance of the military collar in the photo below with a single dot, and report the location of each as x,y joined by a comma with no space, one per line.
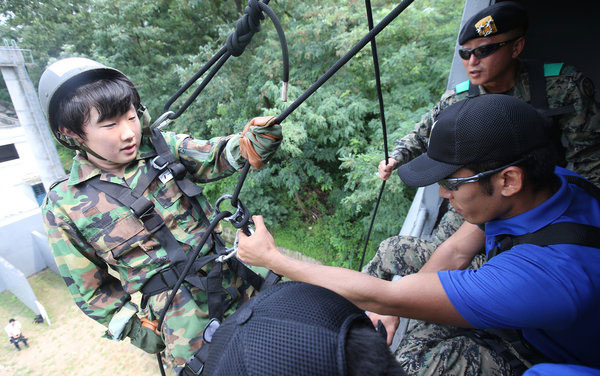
82,169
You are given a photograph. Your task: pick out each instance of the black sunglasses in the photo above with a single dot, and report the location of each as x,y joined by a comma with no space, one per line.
483,51
452,184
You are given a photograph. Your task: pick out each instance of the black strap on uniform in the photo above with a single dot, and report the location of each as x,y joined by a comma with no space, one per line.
557,233
473,90
166,279
537,90
166,160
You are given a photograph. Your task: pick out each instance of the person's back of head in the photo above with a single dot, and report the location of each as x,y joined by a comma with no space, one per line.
299,329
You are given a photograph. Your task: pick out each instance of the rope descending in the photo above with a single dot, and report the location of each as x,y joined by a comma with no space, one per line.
245,29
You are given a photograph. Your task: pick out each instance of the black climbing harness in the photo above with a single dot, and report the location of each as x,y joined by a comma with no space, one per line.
173,277
557,233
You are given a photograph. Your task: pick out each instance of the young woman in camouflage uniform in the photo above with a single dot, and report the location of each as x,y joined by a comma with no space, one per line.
105,253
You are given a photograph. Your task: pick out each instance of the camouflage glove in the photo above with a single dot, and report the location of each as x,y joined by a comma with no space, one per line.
144,334
259,140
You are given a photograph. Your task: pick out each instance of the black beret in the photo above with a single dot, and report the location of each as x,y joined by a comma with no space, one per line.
495,19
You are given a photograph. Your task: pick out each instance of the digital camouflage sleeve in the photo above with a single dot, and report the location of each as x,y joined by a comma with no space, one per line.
579,130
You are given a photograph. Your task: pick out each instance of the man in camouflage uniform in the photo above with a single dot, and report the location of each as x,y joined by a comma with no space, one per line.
103,251
492,41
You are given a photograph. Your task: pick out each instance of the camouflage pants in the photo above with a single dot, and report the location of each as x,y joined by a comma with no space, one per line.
402,255
427,348
432,349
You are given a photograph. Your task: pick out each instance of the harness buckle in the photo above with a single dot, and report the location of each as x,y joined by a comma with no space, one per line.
142,207
195,370
159,163
210,329
193,367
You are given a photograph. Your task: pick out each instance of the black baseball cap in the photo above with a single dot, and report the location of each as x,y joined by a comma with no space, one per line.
495,19
290,329
490,127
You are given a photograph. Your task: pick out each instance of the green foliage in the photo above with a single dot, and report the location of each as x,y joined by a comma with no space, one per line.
320,189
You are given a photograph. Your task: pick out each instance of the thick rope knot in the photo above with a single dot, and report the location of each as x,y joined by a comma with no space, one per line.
245,29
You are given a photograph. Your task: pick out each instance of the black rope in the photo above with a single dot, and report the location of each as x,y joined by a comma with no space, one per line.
236,43
344,59
194,78
245,29
362,259
383,126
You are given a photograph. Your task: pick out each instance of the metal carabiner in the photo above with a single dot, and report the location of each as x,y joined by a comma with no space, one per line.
230,252
162,121
241,218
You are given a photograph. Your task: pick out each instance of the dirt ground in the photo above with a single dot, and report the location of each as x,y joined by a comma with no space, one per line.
72,345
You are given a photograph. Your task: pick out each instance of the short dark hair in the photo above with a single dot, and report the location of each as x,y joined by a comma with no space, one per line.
110,96
367,353
11,320
538,167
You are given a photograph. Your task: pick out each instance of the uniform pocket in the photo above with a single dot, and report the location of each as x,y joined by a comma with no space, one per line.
167,194
125,242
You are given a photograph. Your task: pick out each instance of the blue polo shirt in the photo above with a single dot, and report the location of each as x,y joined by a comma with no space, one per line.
551,293
547,369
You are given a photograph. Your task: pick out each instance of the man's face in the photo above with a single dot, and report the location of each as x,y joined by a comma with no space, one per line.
472,202
117,139
495,68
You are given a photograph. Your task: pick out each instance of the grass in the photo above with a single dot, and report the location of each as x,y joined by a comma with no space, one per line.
71,345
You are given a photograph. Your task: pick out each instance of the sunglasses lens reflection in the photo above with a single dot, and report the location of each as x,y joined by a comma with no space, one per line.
479,52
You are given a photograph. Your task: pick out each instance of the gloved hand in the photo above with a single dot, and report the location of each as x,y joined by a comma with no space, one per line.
259,140
144,334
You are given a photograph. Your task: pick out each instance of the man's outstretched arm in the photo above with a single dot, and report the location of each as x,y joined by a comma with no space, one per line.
420,296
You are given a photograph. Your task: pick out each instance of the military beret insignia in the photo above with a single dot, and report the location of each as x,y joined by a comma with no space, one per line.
486,26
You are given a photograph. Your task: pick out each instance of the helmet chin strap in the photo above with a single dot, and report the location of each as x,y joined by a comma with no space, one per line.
73,144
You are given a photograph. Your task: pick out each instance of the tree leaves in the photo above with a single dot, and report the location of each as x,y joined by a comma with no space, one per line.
332,143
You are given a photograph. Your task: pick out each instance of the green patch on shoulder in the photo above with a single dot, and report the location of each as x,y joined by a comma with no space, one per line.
552,69
462,87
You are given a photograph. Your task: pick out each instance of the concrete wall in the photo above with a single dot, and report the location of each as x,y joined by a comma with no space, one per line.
17,175
17,245
15,281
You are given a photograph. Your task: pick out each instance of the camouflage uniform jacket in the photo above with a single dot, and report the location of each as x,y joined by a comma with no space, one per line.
91,234
580,130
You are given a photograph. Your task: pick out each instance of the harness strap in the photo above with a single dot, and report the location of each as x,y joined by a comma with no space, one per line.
144,209
537,84
473,90
166,160
271,279
557,233
195,364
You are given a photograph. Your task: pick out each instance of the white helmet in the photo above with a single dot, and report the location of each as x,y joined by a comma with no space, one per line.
58,78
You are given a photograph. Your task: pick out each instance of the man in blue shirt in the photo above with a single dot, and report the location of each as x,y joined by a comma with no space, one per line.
494,162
